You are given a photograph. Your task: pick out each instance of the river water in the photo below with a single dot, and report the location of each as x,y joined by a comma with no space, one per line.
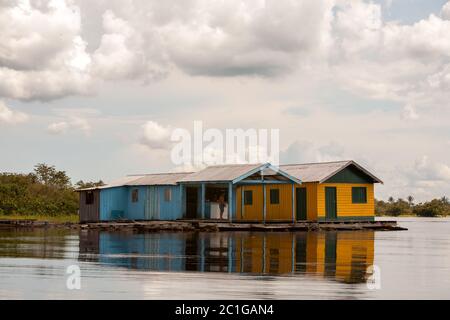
413,264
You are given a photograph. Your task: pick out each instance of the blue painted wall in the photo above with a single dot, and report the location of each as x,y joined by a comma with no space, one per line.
113,201
136,210
170,210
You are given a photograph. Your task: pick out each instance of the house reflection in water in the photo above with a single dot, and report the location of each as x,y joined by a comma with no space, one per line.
343,256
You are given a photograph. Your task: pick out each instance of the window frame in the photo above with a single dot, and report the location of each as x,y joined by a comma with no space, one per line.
135,195
359,197
167,194
89,200
274,196
248,200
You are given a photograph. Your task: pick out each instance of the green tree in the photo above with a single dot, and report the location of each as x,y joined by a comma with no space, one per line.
82,185
410,200
433,208
49,176
46,191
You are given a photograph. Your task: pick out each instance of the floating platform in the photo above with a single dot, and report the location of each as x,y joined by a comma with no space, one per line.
209,225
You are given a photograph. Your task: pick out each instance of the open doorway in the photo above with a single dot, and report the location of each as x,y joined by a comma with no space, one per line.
191,202
215,195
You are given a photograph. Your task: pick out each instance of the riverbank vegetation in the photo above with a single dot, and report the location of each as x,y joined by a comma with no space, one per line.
46,194
400,207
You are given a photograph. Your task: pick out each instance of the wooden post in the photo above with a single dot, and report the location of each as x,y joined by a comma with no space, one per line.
229,255
264,254
293,253
230,201
202,253
242,202
203,201
293,203
264,196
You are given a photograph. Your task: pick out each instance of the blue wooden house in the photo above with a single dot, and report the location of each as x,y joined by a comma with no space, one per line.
136,197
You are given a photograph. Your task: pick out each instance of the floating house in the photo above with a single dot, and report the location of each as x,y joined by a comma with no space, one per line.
341,190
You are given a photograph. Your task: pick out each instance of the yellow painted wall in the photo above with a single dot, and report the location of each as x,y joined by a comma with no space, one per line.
311,200
254,211
315,198
281,211
345,207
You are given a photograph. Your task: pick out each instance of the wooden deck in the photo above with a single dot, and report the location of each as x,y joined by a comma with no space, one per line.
208,225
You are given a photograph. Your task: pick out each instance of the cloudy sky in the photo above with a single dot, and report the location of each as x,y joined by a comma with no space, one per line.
94,87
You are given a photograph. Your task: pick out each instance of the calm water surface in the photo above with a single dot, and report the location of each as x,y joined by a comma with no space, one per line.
240,265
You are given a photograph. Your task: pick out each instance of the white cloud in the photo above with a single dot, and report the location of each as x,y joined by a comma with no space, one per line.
80,124
39,35
124,52
346,41
441,79
58,127
73,122
156,136
247,37
424,179
42,56
426,170
303,151
9,116
409,113
445,12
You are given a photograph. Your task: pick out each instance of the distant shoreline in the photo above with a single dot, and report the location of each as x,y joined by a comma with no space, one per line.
73,218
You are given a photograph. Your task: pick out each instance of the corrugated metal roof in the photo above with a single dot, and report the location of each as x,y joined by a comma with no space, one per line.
121,181
306,172
115,183
319,172
143,180
158,179
227,172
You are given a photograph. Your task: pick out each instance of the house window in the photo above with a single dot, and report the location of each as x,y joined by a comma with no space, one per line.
274,196
359,195
89,197
167,194
135,195
248,197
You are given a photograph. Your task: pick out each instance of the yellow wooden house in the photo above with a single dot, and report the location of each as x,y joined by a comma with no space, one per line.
341,190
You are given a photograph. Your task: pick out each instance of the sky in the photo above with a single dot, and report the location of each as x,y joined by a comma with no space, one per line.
95,88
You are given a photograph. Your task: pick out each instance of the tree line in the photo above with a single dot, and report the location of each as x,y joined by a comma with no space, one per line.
433,208
45,191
